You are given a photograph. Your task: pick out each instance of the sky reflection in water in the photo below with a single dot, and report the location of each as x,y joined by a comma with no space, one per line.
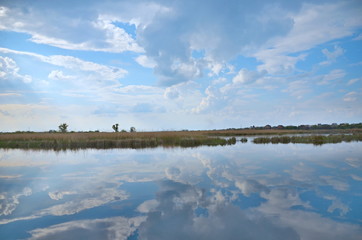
245,191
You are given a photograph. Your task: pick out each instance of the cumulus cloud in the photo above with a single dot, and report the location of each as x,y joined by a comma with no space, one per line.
308,225
145,61
171,93
245,76
147,206
172,172
276,63
250,186
9,70
169,33
175,218
219,38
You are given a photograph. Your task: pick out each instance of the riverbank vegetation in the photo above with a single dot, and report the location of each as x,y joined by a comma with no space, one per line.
102,140
132,139
312,139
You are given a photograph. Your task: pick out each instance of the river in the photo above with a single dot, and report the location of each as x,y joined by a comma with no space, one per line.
242,191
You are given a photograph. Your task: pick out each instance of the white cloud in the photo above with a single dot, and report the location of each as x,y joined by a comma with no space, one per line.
298,88
350,97
276,63
96,198
9,70
339,206
332,75
147,206
78,64
353,81
145,61
86,71
177,202
57,195
59,75
332,55
250,186
3,11
274,33
245,76
336,183
108,228
356,177
354,162
171,93
8,202
306,33
90,31
10,94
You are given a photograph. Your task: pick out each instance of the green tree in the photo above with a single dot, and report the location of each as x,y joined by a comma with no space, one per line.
115,127
63,127
132,129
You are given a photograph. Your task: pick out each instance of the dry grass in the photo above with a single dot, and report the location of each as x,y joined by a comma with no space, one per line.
313,139
104,140
79,140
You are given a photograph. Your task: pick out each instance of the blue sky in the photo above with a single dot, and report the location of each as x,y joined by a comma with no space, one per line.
171,65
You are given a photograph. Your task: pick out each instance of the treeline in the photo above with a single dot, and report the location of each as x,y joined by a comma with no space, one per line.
311,127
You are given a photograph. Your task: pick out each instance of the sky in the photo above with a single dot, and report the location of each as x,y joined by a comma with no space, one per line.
180,64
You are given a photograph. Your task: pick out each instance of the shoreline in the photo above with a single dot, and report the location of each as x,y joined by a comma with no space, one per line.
137,140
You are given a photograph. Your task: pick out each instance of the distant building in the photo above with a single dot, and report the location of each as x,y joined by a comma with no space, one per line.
267,127
280,127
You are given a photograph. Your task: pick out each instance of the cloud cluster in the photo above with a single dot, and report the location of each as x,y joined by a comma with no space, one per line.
109,228
171,33
9,71
175,218
74,71
9,202
61,28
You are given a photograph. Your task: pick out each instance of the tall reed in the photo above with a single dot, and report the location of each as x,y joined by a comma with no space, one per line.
313,139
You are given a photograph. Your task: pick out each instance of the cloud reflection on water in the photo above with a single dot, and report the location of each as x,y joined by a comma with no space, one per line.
236,192
174,218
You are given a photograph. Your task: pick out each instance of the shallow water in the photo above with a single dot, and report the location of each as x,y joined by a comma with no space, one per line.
243,191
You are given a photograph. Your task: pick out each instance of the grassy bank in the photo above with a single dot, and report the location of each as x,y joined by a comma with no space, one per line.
104,140
313,139
62,141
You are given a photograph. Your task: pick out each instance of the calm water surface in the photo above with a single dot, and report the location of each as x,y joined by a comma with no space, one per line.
245,191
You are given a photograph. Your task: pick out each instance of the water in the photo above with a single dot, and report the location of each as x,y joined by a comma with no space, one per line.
244,191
